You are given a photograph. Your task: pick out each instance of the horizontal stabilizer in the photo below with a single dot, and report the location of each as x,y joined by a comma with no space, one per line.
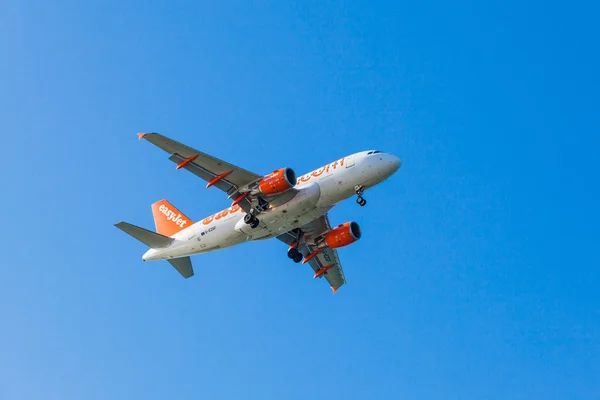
149,238
183,265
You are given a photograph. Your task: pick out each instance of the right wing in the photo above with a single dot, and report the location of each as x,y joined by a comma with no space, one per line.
203,165
329,256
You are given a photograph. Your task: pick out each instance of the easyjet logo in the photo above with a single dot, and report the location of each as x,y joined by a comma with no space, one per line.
318,172
171,216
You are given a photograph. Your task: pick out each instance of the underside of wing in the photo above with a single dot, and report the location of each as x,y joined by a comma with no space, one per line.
223,175
325,264
249,190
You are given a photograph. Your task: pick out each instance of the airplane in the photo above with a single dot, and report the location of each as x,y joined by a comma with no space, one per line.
264,206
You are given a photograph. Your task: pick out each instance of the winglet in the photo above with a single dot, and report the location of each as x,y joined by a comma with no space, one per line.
141,135
334,289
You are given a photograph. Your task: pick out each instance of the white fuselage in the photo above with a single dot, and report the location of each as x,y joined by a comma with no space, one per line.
316,193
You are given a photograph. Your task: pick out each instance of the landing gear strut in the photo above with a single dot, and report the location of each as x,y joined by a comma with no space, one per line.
251,220
359,190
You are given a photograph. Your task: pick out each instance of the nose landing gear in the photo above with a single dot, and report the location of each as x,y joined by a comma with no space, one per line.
359,190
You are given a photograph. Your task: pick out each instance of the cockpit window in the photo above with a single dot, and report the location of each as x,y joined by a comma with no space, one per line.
376,151
373,152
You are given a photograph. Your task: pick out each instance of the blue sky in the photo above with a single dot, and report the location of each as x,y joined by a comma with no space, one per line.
477,275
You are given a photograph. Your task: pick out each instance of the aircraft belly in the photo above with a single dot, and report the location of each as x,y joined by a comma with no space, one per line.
297,212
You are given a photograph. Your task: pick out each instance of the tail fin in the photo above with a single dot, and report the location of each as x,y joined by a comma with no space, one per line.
149,238
168,219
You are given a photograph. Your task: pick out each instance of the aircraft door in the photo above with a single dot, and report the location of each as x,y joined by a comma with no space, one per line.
349,161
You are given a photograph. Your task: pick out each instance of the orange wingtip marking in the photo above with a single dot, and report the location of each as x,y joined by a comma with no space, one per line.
217,178
186,161
312,255
240,198
141,135
334,289
322,271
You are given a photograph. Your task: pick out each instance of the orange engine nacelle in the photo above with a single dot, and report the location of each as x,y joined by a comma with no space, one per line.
343,235
277,182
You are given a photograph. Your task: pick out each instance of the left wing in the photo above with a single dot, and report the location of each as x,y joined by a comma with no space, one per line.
227,177
328,258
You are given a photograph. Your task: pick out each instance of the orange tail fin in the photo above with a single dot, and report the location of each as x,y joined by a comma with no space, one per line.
168,219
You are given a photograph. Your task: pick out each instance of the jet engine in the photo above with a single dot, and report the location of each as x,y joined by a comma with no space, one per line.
277,182
343,235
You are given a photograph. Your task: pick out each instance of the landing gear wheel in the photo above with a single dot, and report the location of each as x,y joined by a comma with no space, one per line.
298,257
251,220
293,252
361,201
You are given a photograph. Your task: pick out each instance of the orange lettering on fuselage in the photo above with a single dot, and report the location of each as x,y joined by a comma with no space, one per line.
318,172
222,214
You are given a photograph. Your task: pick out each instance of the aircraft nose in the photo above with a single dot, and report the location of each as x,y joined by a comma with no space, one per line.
394,163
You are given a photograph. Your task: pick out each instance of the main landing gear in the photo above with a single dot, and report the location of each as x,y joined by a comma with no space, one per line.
293,252
251,220
359,190
295,255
